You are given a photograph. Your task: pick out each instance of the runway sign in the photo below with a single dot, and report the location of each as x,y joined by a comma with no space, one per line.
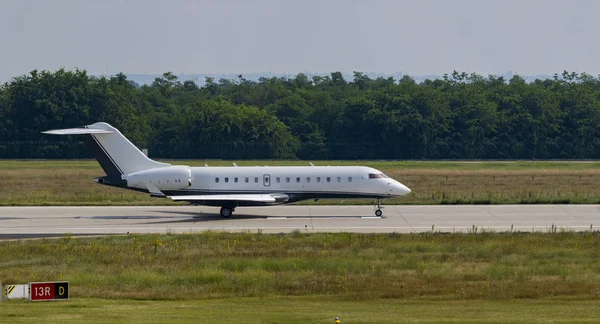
57,290
17,291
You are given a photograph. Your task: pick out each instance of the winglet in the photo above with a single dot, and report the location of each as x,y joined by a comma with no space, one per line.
311,164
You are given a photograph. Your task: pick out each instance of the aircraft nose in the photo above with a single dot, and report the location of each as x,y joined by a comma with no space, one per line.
402,189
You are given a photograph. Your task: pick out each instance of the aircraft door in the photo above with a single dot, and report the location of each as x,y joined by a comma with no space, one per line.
266,180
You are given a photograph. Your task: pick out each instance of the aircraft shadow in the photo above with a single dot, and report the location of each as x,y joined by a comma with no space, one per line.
206,218
324,217
128,217
210,216
216,216
195,217
180,213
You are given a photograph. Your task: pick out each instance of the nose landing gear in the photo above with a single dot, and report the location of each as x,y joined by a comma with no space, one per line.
378,208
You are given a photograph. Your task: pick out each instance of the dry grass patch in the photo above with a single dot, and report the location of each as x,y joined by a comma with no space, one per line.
71,182
499,186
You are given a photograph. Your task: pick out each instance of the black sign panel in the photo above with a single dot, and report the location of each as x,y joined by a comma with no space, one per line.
61,290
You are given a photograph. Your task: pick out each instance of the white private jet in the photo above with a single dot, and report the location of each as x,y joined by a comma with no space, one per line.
228,187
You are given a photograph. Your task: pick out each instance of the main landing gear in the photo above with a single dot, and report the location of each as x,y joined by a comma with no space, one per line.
378,208
227,211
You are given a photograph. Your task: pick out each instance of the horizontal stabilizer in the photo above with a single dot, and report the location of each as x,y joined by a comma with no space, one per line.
253,198
115,153
77,131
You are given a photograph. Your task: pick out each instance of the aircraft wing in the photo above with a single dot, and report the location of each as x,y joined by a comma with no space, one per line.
266,198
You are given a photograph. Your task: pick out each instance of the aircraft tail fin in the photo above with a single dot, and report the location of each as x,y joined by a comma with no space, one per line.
115,153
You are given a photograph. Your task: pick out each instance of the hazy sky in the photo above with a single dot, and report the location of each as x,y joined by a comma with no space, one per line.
418,37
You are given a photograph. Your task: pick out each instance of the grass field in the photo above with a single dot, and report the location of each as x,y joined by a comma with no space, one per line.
300,310
357,266
219,277
71,182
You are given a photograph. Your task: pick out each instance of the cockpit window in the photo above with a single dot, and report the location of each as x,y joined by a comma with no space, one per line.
375,176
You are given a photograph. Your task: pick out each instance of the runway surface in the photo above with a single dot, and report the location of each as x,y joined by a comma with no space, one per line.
22,222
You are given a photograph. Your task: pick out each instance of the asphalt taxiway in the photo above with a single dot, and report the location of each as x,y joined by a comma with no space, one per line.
23,222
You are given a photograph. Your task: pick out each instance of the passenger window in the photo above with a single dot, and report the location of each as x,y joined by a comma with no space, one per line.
307,179
287,179
226,179
298,179
328,179
256,180
235,179
339,179
349,179
217,180
246,180
318,179
278,180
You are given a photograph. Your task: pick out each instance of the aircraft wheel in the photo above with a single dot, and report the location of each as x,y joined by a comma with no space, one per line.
226,212
378,213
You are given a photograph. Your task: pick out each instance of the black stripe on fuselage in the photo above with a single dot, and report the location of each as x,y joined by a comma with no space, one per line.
293,195
264,191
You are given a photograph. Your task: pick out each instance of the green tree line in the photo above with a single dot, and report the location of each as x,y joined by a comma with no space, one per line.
459,116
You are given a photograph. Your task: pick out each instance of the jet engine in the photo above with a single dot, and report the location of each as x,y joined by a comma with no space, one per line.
168,178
